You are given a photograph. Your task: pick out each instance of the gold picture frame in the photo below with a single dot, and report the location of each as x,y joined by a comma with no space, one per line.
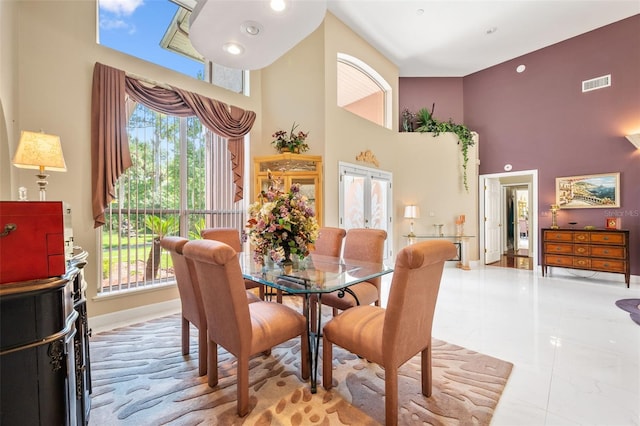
588,191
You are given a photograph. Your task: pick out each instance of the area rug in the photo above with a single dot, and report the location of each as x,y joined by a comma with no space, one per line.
140,377
632,306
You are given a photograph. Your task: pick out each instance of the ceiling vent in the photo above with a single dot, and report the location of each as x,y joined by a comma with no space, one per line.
596,83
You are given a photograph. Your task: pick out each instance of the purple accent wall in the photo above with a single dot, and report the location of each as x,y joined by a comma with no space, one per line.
540,119
416,93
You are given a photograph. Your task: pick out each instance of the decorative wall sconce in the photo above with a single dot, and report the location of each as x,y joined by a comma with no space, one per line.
37,150
634,139
554,216
411,212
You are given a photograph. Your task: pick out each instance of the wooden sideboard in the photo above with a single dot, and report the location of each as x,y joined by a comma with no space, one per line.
599,250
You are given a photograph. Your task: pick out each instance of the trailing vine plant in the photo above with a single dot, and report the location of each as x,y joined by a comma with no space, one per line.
427,123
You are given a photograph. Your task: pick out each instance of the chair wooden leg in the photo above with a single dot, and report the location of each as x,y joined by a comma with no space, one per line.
212,363
185,336
335,311
202,352
243,385
391,396
261,292
327,363
426,371
305,356
279,296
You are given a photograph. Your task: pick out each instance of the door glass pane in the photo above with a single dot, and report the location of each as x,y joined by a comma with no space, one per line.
353,201
379,204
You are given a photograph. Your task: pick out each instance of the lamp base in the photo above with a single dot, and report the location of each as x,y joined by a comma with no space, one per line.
42,183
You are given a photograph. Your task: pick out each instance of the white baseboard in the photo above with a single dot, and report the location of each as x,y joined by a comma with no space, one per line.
126,317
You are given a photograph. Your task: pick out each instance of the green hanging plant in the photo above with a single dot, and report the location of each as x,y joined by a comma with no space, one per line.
428,124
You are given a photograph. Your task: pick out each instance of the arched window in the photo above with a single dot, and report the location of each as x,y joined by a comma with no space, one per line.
362,91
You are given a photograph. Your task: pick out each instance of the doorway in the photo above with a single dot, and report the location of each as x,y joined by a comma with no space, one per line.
508,230
365,200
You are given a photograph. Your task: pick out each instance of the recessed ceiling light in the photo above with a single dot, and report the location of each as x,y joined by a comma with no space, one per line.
492,30
521,68
278,5
251,28
419,11
233,48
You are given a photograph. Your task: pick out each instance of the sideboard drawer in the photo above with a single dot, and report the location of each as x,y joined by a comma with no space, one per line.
582,249
607,238
581,237
558,260
558,236
608,265
559,248
606,251
582,262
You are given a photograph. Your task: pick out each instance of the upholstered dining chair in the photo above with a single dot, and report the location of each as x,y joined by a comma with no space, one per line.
328,243
190,299
243,329
390,337
231,237
360,244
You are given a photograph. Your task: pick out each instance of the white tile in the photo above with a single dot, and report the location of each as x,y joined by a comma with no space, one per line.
587,401
576,355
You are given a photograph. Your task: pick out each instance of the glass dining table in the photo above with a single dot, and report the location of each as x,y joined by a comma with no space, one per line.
314,275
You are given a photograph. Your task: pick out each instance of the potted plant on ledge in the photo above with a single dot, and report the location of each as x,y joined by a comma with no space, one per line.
291,141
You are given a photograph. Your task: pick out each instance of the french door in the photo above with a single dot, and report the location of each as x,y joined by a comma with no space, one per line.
365,200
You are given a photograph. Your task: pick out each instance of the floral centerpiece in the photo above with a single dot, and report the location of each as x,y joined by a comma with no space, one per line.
281,224
292,141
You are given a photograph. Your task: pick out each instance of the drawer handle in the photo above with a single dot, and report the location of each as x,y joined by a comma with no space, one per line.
606,252
606,264
606,238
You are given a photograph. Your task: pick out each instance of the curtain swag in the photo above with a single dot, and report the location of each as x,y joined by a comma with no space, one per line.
109,143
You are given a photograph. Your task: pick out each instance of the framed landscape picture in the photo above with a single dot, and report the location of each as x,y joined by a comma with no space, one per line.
588,191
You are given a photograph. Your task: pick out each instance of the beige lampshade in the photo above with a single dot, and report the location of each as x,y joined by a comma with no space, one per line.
37,150
411,212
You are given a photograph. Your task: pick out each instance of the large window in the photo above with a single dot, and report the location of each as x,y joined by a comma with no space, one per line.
180,182
158,31
363,91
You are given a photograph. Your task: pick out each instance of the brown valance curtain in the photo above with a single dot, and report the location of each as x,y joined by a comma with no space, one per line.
227,121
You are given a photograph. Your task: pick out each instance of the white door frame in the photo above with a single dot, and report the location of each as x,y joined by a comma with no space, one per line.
533,215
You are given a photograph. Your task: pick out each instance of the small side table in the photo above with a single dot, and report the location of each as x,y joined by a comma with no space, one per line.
461,241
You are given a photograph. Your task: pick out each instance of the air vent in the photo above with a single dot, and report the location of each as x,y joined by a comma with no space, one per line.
596,83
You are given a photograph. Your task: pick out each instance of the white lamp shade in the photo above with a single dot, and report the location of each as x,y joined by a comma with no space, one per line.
411,212
38,150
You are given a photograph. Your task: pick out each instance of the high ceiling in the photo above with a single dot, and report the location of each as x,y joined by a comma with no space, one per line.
454,38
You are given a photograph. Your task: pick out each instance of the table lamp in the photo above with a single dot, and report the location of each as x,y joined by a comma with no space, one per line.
38,150
554,218
411,212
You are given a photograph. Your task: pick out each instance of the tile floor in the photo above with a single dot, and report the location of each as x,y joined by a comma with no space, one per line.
576,355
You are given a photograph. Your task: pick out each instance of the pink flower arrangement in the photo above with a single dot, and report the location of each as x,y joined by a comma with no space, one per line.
281,224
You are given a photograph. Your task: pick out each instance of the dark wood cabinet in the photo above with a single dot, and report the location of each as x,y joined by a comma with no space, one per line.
45,376
600,250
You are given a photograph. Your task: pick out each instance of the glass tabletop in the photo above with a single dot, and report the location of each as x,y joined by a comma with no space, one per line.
314,274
